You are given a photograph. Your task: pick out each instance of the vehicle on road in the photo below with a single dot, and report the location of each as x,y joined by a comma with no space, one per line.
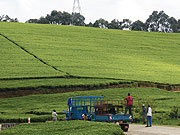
98,109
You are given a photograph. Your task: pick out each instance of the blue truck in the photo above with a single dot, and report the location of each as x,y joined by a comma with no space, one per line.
96,108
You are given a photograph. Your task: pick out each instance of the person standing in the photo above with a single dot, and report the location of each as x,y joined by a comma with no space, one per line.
149,116
144,113
54,115
69,102
129,104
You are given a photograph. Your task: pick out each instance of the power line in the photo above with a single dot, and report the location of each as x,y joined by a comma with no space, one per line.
76,7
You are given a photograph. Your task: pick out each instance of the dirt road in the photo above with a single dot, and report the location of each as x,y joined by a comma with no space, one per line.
154,130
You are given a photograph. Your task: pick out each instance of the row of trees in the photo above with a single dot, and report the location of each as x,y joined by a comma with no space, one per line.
157,22
60,18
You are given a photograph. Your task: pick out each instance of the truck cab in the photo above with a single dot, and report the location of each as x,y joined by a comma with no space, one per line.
76,112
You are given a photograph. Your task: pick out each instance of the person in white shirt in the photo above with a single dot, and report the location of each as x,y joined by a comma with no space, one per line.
149,116
54,115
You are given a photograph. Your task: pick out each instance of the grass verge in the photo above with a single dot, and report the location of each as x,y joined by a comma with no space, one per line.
65,128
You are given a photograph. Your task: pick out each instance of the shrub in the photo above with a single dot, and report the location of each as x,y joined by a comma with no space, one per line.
175,112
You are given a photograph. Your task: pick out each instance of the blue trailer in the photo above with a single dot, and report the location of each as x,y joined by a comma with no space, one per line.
98,109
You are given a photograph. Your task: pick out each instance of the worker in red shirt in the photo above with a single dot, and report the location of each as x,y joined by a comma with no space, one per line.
129,104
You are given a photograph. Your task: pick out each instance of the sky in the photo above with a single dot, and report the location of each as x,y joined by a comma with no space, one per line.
92,10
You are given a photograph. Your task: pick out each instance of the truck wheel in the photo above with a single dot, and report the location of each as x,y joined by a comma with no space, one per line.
124,127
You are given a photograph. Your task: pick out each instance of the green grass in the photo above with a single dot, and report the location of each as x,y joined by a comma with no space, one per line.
65,128
93,52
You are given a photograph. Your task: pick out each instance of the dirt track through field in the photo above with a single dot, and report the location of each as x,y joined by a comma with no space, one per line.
154,130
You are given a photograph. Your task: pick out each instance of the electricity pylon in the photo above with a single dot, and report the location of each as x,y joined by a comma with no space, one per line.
76,7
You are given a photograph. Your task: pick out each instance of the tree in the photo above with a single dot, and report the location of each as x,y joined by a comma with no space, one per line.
55,17
138,26
178,25
174,24
78,19
101,23
126,24
160,22
14,20
89,25
6,18
32,21
50,19
151,22
43,20
66,18
115,24
54,13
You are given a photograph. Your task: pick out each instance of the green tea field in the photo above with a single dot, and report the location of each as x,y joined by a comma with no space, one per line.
33,50
65,128
84,61
39,107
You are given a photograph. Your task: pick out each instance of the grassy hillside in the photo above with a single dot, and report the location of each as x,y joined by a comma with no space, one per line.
65,128
92,52
37,54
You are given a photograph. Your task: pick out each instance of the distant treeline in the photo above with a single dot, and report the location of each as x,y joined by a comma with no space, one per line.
157,22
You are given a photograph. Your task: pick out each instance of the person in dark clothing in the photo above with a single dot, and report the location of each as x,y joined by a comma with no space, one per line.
144,113
112,110
69,102
129,104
